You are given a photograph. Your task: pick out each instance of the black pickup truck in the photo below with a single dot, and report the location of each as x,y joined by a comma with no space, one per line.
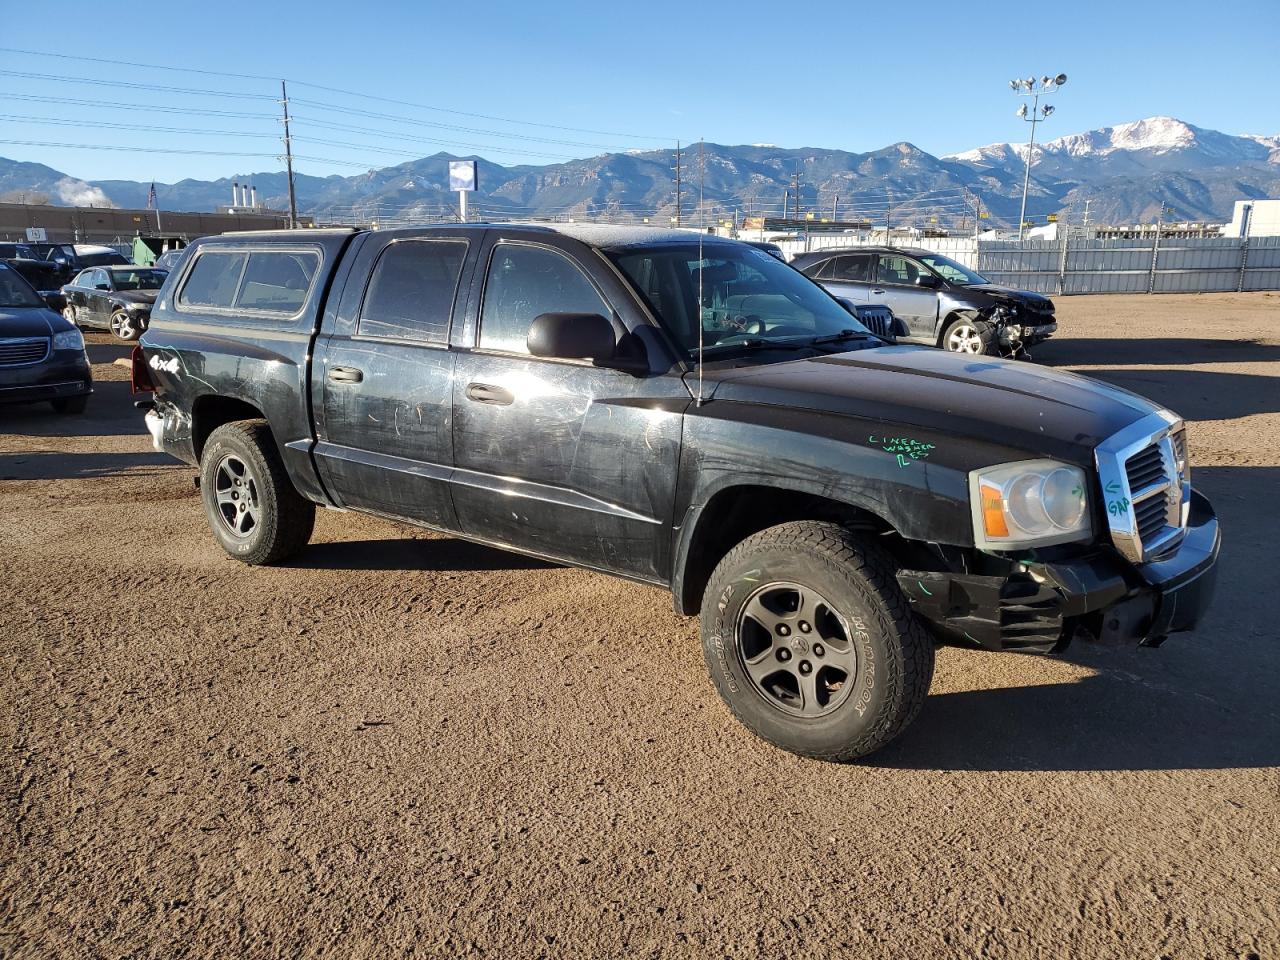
687,412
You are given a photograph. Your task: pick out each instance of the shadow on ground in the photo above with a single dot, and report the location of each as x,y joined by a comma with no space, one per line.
1206,699
55,465
1199,394
1170,351
110,412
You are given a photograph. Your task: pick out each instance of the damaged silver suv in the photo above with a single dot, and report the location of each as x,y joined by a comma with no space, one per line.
941,303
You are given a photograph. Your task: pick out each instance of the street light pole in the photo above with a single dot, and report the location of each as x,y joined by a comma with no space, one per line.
1028,88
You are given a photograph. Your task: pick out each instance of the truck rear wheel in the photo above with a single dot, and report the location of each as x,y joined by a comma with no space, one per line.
253,509
810,642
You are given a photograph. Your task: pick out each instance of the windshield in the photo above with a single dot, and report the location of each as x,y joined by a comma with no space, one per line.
749,299
139,279
15,291
951,271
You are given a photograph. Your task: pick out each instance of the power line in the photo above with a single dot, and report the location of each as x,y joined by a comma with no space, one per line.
163,150
145,128
313,86
135,86
113,105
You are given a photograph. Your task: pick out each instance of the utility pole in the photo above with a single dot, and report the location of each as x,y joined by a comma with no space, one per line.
888,208
1086,214
1028,88
795,189
835,208
677,183
288,158
786,204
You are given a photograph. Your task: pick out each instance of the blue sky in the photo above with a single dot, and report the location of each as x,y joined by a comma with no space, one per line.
851,75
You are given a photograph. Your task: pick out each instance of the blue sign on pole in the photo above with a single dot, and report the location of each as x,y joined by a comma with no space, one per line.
462,175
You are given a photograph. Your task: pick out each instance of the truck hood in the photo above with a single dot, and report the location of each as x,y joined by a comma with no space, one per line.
1009,403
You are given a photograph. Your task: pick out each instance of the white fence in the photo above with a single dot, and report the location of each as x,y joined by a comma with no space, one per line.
1082,265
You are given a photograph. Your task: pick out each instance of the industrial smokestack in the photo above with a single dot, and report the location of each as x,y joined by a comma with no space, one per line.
253,197
235,193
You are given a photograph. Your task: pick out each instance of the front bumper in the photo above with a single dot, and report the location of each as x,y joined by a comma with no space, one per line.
1041,607
49,380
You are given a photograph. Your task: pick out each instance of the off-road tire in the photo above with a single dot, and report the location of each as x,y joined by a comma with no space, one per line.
894,651
983,330
286,518
70,404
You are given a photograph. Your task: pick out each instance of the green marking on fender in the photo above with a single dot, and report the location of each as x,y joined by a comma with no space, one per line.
966,633
924,588
903,461
1113,487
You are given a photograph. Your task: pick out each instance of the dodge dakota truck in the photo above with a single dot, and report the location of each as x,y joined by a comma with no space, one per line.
687,412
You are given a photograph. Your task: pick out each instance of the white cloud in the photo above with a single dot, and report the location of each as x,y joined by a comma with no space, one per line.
77,193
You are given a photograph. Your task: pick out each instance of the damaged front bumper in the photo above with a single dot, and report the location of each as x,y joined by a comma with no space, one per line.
1041,606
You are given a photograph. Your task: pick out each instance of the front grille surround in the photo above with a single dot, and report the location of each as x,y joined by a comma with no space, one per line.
23,351
1146,486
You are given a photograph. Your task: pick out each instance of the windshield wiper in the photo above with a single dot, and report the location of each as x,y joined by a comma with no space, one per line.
842,335
759,343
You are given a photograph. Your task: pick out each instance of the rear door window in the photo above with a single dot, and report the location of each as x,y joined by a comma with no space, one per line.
855,268
277,282
213,280
411,292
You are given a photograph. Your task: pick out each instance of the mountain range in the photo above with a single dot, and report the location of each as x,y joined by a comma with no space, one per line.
1126,173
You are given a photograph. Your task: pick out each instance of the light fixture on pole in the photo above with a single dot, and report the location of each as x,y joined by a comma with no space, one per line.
1030,87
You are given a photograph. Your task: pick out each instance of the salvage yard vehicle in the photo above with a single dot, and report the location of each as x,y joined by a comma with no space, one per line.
42,356
686,412
113,298
42,274
942,303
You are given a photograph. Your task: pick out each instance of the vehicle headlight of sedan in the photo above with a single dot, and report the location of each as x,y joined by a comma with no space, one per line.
68,340
1031,503
136,307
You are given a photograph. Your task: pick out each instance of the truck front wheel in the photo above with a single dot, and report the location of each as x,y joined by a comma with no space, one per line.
810,642
253,509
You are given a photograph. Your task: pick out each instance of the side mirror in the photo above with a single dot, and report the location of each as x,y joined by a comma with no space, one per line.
102,286
572,336
927,280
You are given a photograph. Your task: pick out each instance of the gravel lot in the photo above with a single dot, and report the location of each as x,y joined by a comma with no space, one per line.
407,745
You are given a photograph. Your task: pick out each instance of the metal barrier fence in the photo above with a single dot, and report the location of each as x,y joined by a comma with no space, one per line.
1085,265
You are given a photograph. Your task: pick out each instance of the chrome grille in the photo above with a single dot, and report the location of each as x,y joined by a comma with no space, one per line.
1146,486
15,351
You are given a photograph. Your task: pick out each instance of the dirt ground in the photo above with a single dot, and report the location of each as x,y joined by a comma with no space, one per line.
405,745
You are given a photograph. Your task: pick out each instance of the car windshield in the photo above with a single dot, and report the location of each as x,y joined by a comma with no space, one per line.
15,291
951,271
139,279
749,299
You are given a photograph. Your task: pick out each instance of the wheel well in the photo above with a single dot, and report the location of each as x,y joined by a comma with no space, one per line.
210,412
734,514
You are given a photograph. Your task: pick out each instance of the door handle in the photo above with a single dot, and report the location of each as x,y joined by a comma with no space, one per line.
345,375
488,393
879,291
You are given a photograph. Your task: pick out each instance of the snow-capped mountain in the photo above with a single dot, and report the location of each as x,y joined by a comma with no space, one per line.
1141,142
1127,173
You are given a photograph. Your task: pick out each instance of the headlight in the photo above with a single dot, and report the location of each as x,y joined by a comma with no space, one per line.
137,306
68,340
1032,503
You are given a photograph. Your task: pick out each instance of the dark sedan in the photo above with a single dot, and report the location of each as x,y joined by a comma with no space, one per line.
42,274
42,356
118,299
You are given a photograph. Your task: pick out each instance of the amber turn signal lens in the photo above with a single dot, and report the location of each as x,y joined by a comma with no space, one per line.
993,511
